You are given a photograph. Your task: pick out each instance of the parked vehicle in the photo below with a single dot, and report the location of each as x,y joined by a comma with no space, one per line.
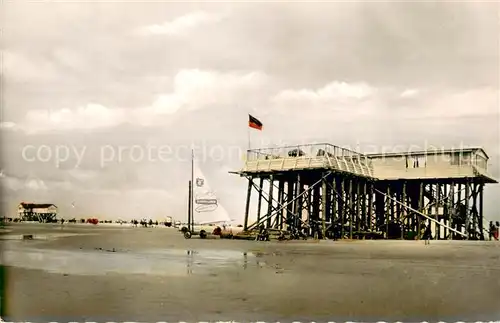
168,221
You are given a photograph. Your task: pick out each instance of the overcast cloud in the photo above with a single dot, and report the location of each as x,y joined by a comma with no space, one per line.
91,77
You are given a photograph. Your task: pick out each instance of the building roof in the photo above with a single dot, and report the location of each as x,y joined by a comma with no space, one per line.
36,205
428,152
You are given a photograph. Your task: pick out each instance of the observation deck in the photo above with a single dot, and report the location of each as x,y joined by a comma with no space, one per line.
307,157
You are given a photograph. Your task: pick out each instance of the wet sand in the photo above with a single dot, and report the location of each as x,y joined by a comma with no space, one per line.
138,274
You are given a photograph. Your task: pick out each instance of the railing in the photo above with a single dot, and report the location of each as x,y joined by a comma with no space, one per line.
309,156
310,150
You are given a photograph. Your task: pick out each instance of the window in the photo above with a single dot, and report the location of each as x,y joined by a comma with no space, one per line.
481,162
418,161
456,159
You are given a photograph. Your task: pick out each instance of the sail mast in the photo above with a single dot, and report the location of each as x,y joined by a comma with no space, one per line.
192,188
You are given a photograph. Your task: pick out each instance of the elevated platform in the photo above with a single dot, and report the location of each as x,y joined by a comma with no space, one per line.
434,165
307,157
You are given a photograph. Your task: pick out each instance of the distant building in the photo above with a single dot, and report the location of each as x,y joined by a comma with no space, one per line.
37,212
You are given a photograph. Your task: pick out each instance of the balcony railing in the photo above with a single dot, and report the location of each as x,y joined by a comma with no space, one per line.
309,150
308,156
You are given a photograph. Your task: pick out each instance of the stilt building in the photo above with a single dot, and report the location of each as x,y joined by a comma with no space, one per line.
327,191
37,212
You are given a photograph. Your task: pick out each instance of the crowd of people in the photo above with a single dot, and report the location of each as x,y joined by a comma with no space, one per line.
144,223
135,223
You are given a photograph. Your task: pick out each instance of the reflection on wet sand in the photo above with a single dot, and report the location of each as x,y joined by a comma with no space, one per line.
174,262
157,275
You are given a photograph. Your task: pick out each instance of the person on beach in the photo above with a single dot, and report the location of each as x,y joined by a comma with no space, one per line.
496,231
427,232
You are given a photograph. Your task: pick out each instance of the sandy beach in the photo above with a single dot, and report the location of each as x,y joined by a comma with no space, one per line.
96,273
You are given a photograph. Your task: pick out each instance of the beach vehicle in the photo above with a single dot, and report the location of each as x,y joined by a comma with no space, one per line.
202,230
168,221
210,228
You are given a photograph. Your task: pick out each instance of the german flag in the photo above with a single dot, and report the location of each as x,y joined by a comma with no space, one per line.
254,123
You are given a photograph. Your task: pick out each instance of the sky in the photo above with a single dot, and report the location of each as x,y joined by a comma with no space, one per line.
101,101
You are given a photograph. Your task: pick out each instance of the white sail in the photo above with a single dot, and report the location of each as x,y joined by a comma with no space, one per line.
206,205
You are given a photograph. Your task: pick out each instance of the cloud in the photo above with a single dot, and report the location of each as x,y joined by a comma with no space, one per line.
32,183
86,117
468,103
361,99
334,91
450,105
335,100
20,67
181,25
409,93
200,88
35,184
8,125
192,90
82,175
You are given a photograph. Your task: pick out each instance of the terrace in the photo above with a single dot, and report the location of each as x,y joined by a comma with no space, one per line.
311,156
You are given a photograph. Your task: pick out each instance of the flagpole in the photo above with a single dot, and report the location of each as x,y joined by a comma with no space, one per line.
248,129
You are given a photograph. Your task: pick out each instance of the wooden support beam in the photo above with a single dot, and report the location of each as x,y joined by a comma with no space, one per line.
289,205
420,208
281,198
437,235
298,201
358,205
403,211
458,207
328,207
316,200
467,212
366,224
370,205
452,208
399,196
387,211
474,215
342,206
324,207
350,207
334,216
481,215
308,202
394,194
446,210
270,201
421,214
259,203
247,206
